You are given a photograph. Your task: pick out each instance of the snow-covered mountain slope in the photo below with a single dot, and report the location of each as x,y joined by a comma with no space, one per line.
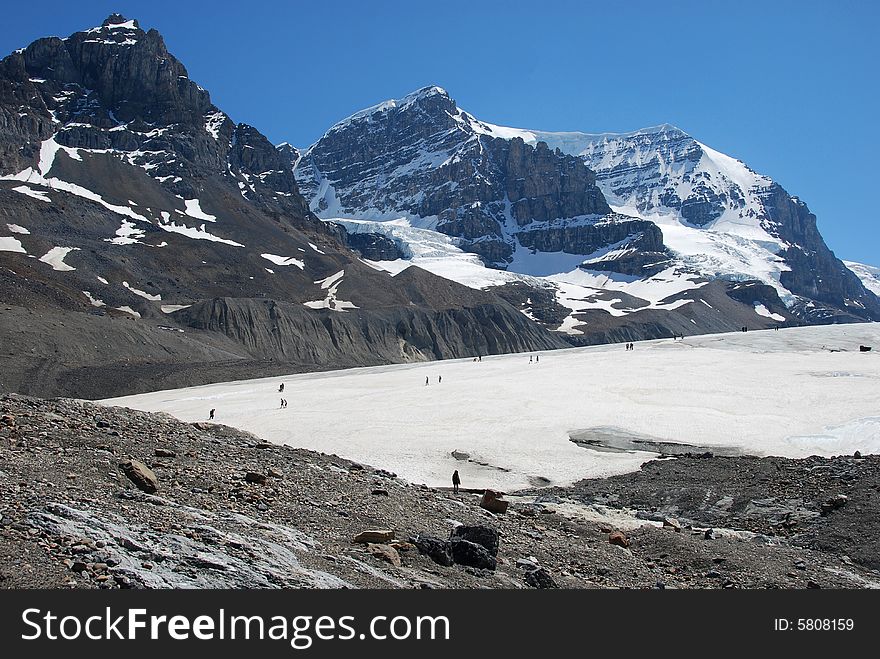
676,206
718,216
869,275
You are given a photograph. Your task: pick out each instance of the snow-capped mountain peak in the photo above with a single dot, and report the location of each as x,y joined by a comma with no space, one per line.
673,201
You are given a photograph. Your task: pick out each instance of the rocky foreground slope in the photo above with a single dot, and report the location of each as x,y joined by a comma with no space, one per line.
113,498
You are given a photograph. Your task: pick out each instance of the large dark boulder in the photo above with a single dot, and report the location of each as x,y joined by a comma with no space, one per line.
540,578
436,549
471,554
481,535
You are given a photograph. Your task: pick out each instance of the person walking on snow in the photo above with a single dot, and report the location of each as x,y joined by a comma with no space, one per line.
456,481
281,388
211,415
439,379
426,381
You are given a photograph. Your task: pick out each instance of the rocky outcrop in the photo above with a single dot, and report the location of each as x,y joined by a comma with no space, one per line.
373,246
614,243
831,292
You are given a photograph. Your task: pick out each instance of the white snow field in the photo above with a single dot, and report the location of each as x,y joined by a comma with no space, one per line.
792,392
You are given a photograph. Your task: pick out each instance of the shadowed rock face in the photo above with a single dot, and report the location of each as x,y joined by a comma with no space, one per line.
291,333
816,273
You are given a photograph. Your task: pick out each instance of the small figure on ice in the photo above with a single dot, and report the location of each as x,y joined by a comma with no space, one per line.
281,387
456,481
211,415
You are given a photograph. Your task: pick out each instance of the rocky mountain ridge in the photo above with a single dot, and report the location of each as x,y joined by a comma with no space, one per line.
127,198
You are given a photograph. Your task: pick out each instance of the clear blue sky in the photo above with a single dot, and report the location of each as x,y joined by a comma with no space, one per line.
789,87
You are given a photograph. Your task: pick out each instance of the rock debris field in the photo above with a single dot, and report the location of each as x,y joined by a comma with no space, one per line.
107,497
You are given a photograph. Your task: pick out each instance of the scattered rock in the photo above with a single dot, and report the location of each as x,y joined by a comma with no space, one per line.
540,578
493,502
141,475
379,492
256,478
709,534
482,535
835,502
274,473
165,453
385,552
672,523
378,536
436,549
618,538
471,554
